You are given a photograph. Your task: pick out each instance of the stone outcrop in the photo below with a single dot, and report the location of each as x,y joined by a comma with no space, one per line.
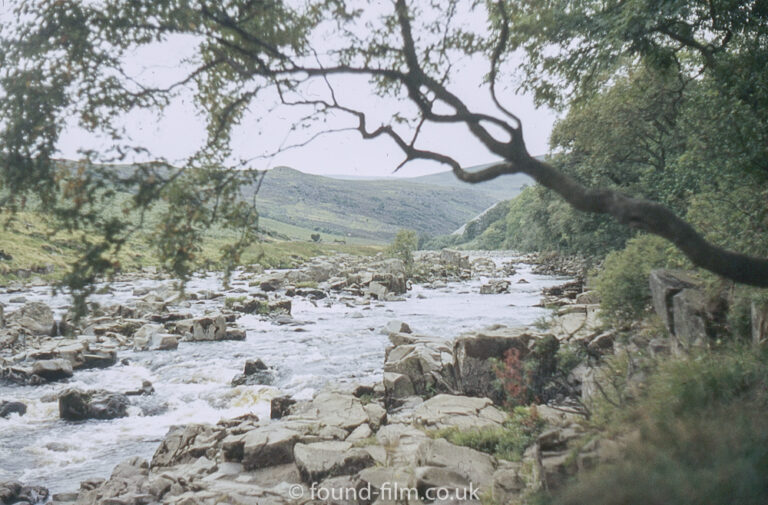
82,353
320,460
12,407
495,287
255,373
475,374
77,405
759,317
153,337
462,412
16,492
418,365
33,318
681,304
665,285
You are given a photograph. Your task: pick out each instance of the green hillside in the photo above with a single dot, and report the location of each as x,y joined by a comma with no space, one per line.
501,188
294,205
370,209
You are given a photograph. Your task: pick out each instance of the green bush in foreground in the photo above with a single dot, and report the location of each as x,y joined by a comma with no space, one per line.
703,426
623,281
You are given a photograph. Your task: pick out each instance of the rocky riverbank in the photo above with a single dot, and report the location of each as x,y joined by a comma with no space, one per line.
346,434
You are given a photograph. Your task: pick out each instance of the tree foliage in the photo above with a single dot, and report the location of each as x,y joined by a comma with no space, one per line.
403,246
627,69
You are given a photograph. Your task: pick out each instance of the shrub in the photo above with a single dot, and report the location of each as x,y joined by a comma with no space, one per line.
623,281
508,442
535,376
402,247
703,426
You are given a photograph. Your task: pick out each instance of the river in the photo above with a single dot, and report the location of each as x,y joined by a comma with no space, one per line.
338,341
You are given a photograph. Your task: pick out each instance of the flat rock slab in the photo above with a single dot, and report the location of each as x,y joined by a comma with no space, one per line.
339,410
320,460
462,412
269,446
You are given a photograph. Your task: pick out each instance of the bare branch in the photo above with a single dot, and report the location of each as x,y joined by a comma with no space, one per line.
501,46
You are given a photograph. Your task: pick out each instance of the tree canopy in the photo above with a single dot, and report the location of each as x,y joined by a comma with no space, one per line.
629,72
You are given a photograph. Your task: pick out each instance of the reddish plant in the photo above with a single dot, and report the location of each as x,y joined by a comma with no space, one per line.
515,378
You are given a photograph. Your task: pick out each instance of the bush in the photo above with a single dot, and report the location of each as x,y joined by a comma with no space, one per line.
538,376
703,426
508,442
402,247
623,281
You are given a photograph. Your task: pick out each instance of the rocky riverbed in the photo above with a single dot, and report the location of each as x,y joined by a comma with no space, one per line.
354,343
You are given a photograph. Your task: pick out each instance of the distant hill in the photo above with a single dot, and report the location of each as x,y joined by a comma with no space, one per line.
372,209
501,188
295,205
505,187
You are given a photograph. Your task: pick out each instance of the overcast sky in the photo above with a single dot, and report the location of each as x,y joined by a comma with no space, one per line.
179,131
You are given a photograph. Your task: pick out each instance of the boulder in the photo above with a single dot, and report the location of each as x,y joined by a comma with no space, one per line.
146,389
454,259
440,485
472,353
185,444
473,466
483,266
398,386
280,406
83,354
128,484
691,322
320,460
759,316
235,334
96,357
576,321
53,369
509,483
339,410
255,373
360,433
12,407
77,405
272,283
19,376
152,337
665,284
321,270
495,287
143,335
387,485
283,306
34,318
462,412
588,298
377,290
163,342
205,329
424,367
398,444
377,415
16,492
269,446
396,327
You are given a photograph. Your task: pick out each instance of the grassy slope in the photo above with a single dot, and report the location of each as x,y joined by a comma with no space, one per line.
374,210
502,188
30,246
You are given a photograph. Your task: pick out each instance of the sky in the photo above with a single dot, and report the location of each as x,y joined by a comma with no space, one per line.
176,133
